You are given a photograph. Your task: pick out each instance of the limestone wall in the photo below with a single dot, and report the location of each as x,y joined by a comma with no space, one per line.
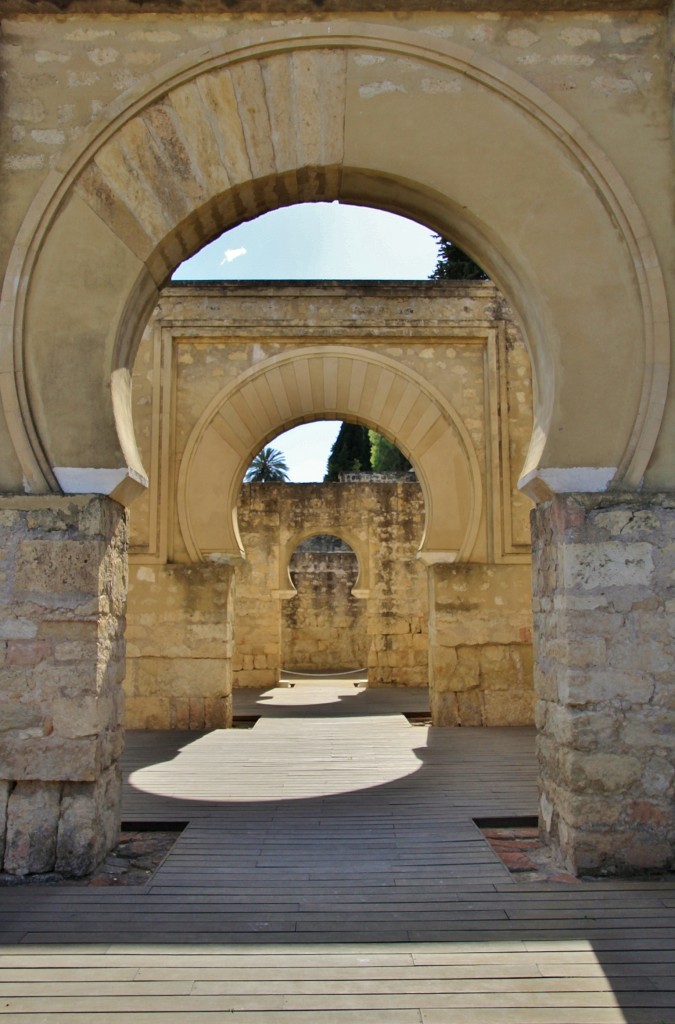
179,647
480,640
324,627
62,596
603,607
382,624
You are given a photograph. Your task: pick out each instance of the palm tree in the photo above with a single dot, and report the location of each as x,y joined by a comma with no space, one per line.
268,467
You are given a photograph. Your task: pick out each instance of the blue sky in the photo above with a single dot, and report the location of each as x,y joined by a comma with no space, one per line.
316,241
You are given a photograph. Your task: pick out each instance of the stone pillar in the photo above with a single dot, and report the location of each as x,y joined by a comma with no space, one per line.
480,645
179,647
62,601
604,629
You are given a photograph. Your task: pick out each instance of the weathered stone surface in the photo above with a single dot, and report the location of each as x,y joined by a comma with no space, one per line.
25,756
89,823
59,566
62,600
179,664
603,676
32,822
306,7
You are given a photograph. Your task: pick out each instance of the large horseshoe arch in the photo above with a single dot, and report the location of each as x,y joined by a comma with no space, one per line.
337,111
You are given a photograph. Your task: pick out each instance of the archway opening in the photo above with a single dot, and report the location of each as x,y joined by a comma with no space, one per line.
334,241
100,238
331,580
450,385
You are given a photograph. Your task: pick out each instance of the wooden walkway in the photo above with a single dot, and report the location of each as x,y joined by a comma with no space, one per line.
331,871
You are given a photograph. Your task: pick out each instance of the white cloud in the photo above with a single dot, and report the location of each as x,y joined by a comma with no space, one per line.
232,254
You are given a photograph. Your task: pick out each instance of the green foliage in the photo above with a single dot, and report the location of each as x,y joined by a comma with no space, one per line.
385,457
350,452
454,265
268,467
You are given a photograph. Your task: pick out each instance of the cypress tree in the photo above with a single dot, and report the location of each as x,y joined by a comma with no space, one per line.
454,265
350,452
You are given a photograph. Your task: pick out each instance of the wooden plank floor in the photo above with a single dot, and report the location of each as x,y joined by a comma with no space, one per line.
331,871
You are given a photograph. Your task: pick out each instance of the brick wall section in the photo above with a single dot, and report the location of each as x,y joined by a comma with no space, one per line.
63,585
604,629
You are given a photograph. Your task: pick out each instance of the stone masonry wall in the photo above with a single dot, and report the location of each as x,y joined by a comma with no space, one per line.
323,628
604,628
463,630
383,523
398,612
63,585
257,625
179,647
480,641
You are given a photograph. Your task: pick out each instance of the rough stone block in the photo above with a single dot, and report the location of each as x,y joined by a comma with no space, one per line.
148,713
218,712
597,565
599,772
580,809
444,708
470,707
504,707
603,685
22,717
584,730
28,652
59,568
51,758
467,675
89,823
22,628
32,823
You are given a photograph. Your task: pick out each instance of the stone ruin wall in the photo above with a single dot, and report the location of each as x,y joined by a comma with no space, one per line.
604,607
195,630
63,583
383,524
179,647
323,629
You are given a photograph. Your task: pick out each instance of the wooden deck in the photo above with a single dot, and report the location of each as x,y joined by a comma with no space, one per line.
331,871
